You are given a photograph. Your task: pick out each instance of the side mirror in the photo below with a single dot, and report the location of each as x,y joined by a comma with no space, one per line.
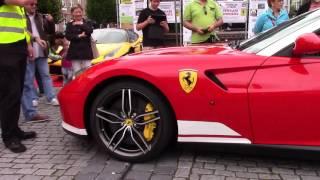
308,43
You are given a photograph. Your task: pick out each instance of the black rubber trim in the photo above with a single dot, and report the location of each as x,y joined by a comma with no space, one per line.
214,78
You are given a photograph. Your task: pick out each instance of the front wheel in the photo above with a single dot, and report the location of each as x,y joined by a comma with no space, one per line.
131,121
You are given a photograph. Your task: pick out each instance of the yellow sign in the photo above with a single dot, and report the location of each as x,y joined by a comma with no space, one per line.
188,79
126,2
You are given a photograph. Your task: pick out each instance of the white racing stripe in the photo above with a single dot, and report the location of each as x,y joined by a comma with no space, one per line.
203,131
215,140
204,128
73,129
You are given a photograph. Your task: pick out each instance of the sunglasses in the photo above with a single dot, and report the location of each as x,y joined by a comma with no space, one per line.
33,4
205,10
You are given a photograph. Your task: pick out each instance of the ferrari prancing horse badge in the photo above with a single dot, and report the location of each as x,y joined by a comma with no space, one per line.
188,79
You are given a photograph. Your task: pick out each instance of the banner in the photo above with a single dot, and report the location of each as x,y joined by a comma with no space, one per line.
129,11
170,11
125,1
256,7
234,11
126,14
139,6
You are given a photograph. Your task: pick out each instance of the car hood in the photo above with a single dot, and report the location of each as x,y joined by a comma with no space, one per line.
150,65
105,48
191,50
113,50
221,55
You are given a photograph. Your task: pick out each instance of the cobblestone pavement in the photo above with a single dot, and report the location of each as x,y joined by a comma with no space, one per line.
57,155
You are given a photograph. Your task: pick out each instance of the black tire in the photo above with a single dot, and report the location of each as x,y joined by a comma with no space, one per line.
109,124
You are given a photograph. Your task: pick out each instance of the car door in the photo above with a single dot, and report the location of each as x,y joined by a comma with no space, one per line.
284,99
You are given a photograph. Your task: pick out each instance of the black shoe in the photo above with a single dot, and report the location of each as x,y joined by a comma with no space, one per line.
15,145
27,135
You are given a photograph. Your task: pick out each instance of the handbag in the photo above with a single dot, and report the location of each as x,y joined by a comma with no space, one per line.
95,52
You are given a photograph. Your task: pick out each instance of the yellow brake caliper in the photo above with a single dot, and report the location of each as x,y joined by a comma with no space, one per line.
148,128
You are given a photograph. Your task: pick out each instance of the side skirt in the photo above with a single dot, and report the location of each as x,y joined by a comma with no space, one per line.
208,132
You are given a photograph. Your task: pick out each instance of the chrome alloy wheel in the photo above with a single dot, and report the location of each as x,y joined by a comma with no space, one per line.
122,121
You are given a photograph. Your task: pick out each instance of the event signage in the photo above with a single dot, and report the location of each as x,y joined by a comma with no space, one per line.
256,7
129,11
170,11
234,11
126,14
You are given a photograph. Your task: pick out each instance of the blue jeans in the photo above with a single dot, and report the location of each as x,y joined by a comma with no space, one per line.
43,68
28,92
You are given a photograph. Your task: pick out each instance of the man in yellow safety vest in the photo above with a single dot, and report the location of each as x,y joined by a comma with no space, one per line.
15,47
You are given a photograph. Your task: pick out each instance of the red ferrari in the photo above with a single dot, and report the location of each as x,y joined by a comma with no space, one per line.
265,90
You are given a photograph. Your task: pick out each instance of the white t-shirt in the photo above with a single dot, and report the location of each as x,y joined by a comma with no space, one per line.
38,51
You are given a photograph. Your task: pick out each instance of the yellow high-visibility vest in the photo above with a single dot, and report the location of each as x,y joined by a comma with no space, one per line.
13,24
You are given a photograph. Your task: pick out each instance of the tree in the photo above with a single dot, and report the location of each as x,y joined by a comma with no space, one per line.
52,7
102,11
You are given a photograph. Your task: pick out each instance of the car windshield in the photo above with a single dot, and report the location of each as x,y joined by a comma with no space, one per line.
107,36
264,39
132,36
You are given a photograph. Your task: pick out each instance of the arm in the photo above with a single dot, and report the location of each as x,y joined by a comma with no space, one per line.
87,28
216,24
30,51
187,20
69,34
41,42
188,25
286,16
218,16
259,24
144,24
164,24
144,20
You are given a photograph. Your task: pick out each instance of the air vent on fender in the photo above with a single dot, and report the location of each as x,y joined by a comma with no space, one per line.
214,78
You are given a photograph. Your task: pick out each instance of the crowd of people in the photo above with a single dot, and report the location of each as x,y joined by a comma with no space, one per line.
273,16
28,38
276,14
202,17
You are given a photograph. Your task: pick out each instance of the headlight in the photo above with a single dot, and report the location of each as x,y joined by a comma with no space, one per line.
112,53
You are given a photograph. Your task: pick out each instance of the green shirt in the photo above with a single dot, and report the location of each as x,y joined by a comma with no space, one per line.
202,16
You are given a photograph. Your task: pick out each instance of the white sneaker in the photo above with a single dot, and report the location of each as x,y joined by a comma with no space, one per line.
54,102
35,103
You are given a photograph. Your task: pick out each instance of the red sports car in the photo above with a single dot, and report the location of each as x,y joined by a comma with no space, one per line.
265,90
